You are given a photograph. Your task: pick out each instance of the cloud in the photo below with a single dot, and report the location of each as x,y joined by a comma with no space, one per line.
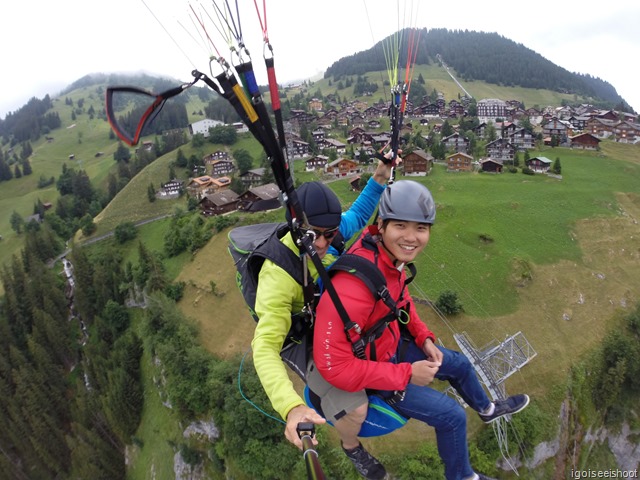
45,47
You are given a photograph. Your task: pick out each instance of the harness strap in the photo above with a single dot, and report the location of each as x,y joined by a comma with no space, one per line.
369,273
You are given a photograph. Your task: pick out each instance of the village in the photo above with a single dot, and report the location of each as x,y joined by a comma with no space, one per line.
504,126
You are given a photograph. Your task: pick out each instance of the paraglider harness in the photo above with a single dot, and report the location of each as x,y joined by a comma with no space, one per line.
251,245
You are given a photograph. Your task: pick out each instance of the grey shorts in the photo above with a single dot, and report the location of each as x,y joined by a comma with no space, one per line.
335,403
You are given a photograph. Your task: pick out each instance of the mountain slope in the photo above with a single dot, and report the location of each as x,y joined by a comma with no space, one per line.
484,56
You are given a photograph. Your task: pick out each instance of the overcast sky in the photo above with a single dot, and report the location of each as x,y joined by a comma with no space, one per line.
48,45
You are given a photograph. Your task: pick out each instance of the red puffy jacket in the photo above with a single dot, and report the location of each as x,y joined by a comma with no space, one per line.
332,351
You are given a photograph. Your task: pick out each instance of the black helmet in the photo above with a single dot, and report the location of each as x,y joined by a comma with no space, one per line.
321,205
409,201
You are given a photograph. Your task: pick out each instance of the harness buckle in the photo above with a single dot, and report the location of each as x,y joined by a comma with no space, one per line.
383,293
398,396
358,349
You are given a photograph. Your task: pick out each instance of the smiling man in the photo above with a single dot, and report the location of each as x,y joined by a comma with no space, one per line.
404,359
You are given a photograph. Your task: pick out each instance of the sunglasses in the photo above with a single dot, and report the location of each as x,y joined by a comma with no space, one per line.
328,234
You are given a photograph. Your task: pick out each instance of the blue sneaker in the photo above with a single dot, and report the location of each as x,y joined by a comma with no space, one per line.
513,404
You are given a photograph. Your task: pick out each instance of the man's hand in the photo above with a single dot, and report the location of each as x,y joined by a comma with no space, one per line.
298,414
383,170
423,372
432,352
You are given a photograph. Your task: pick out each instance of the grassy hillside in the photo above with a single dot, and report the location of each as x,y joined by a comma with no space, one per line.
83,138
437,78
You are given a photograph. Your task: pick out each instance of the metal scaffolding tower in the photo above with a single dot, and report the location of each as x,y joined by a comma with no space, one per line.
497,361
494,363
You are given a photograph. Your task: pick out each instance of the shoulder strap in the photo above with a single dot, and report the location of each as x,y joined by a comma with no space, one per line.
276,251
368,273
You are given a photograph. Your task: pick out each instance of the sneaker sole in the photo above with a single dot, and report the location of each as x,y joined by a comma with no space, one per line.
487,422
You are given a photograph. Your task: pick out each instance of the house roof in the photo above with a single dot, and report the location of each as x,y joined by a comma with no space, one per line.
221,198
334,142
266,192
221,181
255,171
422,154
542,159
491,160
460,154
338,161
204,180
584,135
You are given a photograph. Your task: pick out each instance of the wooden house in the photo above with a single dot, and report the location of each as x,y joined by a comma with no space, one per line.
506,129
257,199
339,147
626,132
373,112
558,128
252,177
431,110
491,165
219,202
539,164
456,143
315,104
221,183
522,139
417,162
586,141
222,167
481,130
534,115
342,167
600,128
319,161
608,115
459,162
217,155
501,149
199,186
318,135
299,149
171,189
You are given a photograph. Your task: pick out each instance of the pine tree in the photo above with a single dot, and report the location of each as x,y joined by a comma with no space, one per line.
84,294
5,170
125,397
45,435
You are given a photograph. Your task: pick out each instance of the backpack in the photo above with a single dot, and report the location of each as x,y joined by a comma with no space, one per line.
250,246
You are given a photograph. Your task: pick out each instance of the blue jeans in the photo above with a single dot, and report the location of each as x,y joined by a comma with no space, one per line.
443,412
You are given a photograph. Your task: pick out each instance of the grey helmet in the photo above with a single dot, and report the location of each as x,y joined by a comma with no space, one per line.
409,201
